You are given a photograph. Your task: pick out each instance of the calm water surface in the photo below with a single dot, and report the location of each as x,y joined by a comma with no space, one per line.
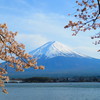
52,91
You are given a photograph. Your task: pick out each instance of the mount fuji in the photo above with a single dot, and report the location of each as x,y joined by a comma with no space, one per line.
60,61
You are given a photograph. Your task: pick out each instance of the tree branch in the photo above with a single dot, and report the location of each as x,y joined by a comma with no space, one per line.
98,5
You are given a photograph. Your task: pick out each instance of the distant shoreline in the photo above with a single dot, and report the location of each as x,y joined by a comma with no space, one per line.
55,80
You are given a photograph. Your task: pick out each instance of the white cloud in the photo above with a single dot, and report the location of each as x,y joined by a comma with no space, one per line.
48,24
88,50
31,41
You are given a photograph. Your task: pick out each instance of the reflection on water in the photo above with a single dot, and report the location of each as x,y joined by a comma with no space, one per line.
52,91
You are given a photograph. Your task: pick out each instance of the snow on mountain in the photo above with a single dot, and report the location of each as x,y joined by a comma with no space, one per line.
53,49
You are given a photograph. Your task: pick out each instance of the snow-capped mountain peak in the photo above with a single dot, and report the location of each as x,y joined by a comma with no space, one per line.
54,48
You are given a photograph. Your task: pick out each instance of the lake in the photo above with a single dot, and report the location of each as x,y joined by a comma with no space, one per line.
52,91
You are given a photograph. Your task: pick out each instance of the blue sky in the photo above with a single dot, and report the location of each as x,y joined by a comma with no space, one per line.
40,21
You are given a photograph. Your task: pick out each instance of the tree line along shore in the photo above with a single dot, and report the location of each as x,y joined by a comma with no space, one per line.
51,79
